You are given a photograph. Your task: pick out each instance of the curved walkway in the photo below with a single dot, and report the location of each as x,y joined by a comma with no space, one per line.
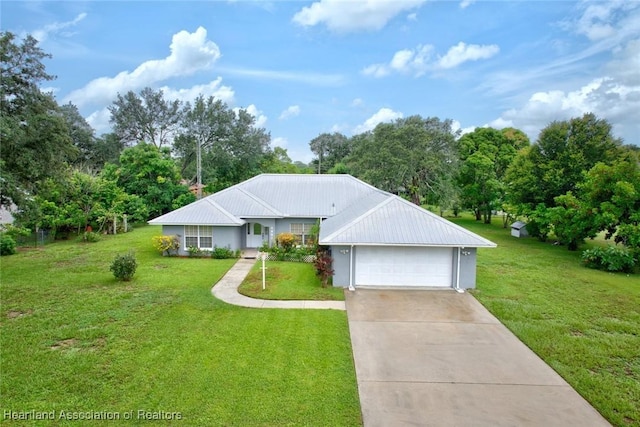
227,290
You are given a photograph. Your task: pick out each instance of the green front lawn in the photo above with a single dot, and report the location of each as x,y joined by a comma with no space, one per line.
74,339
288,281
584,323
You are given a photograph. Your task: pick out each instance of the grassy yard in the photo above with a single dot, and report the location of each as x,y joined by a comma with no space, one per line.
288,281
74,339
584,323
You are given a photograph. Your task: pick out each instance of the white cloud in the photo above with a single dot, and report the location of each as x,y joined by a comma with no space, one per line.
279,141
213,88
291,111
351,16
625,66
261,119
357,102
466,3
457,126
606,97
190,52
43,33
419,61
315,79
99,121
412,17
462,53
384,115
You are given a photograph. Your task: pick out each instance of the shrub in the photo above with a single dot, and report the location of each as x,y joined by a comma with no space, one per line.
224,253
7,245
166,244
194,251
124,266
286,241
90,237
324,266
610,258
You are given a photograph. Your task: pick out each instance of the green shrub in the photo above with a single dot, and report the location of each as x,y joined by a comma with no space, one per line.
224,253
124,266
610,258
194,251
7,245
90,237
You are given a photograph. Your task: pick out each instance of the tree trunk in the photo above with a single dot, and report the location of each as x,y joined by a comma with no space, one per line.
478,214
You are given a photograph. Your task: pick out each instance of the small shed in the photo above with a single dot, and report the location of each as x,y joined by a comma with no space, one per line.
519,229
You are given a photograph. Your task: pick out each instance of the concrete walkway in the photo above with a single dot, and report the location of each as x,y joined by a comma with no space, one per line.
227,290
439,358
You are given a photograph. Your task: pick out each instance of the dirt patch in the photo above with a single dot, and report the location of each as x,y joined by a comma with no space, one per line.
69,342
15,314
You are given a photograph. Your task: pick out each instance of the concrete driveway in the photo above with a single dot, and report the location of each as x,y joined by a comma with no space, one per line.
439,358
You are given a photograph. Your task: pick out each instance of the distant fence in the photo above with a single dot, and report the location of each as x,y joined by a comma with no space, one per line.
37,238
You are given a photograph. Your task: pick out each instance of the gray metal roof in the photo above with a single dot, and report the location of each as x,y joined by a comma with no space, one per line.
355,212
314,196
395,221
202,212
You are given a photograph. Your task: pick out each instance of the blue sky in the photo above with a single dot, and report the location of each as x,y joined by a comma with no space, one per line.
303,67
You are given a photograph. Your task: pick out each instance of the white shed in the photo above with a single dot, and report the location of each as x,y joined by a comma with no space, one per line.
519,229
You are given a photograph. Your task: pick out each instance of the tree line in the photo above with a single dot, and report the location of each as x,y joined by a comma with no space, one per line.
575,181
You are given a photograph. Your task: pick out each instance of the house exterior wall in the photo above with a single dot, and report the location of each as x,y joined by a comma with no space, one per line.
223,237
228,237
467,267
341,265
283,225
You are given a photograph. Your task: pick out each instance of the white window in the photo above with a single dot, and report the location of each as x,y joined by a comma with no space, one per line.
302,232
199,236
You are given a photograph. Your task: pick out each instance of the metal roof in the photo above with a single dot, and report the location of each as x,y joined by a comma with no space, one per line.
355,212
202,212
395,221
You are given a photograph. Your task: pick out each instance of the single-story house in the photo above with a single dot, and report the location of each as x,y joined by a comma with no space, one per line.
519,229
375,238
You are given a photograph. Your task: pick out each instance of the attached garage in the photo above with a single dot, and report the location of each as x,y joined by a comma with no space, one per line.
404,266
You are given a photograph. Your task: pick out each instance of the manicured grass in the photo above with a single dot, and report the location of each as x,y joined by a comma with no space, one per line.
288,281
584,323
74,339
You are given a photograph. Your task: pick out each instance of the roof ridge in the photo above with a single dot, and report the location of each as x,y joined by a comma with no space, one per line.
224,211
260,201
359,218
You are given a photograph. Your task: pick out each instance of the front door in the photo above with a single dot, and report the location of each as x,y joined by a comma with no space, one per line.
257,234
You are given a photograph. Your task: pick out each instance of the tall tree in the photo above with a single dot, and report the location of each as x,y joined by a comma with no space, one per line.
35,137
151,174
413,156
330,149
83,138
486,154
147,117
556,163
206,122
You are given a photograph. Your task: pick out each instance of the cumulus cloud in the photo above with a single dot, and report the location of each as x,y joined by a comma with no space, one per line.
57,28
352,16
291,111
261,119
462,53
420,60
190,52
384,115
214,88
605,96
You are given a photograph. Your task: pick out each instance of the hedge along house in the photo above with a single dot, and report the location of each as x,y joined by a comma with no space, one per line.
375,238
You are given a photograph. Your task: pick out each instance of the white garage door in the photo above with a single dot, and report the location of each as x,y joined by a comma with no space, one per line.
403,266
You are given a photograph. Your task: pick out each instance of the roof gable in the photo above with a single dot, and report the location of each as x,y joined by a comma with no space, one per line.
201,212
395,221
